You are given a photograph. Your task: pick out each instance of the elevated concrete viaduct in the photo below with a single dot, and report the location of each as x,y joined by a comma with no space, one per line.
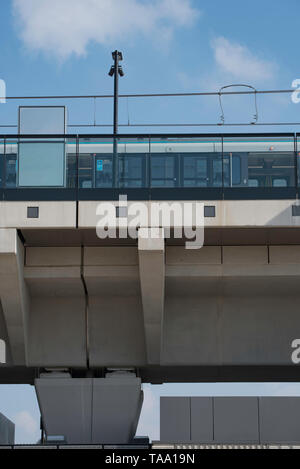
82,316
87,319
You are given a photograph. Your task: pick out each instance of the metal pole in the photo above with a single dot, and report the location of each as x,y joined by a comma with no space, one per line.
116,121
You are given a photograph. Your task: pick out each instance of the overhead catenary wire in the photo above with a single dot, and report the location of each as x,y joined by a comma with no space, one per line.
262,124
219,94
151,95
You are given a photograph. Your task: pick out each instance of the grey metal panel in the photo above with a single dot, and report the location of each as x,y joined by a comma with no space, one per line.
81,447
210,211
33,212
35,447
202,420
7,431
65,406
90,411
116,407
280,420
236,420
296,210
175,419
42,120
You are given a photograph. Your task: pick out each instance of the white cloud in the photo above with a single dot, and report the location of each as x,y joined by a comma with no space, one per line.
238,61
64,27
25,422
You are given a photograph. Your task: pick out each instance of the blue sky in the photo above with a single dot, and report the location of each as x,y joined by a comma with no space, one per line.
64,47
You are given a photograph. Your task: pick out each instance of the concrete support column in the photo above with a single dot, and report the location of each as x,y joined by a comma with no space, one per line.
14,294
7,431
117,405
152,277
86,411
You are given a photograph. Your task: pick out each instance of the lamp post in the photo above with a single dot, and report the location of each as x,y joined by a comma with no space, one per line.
116,71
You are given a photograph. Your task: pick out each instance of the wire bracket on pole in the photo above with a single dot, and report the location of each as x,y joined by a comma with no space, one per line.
128,112
255,117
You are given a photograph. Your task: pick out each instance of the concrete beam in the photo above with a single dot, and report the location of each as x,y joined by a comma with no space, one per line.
233,261
152,278
14,294
53,277
115,308
51,215
229,213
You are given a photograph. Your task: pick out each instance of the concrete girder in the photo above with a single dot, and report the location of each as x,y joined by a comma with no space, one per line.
115,319
53,277
14,295
152,278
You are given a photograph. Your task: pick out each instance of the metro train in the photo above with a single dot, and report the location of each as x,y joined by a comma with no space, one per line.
171,163
185,164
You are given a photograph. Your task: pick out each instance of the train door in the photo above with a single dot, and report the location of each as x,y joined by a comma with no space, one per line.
11,170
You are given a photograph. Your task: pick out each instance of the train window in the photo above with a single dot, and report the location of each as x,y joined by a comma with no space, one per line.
85,171
163,170
195,170
272,169
253,183
236,170
131,170
217,179
103,171
280,183
71,170
11,171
